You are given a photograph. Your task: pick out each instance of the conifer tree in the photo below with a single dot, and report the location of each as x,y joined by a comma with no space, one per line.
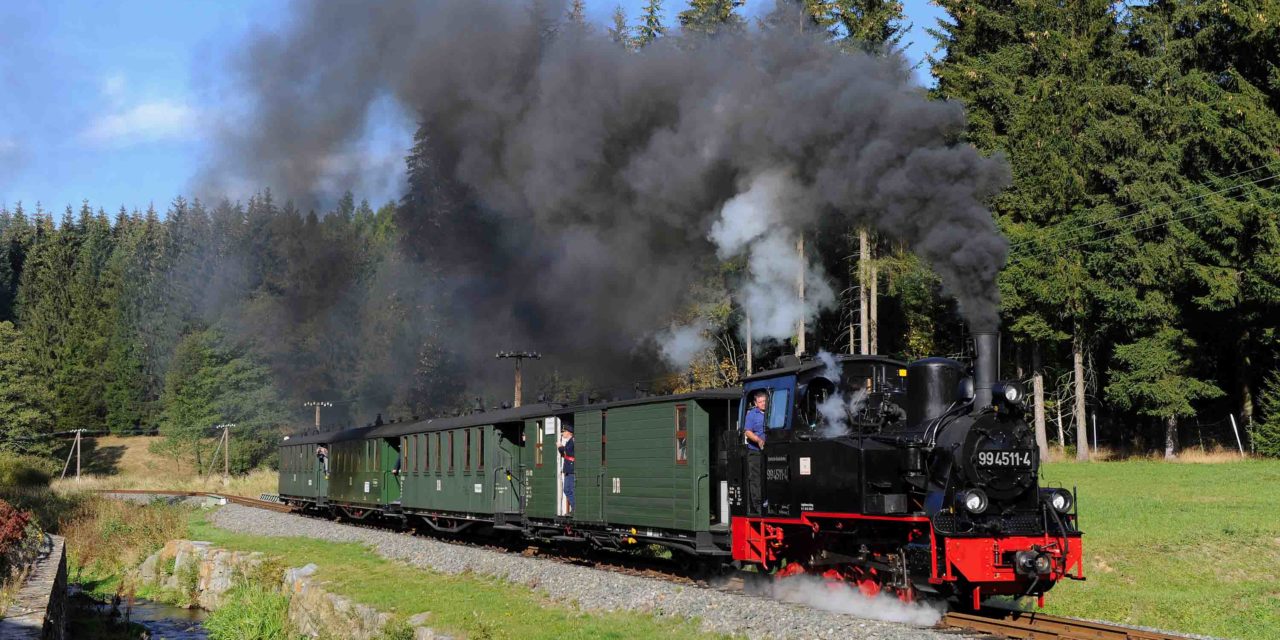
710,17
25,400
620,33
651,27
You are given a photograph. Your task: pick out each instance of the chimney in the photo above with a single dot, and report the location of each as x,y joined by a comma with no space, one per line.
986,367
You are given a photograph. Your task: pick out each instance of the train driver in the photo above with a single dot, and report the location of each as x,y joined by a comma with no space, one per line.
755,433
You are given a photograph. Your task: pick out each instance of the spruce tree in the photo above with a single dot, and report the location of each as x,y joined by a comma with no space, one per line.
620,33
25,400
710,17
651,27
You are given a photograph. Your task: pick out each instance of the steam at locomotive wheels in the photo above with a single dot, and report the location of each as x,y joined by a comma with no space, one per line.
917,480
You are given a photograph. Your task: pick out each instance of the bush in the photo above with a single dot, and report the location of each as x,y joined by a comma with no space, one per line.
1266,431
17,470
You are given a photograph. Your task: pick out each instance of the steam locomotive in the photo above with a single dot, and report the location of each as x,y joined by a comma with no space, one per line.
919,480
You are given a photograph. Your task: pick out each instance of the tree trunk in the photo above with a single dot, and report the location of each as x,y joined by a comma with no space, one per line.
1243,371
864,305
873,317
800,291
1062,436
1171,438
1082,426
1037,399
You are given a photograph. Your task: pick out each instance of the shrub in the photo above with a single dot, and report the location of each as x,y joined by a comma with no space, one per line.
251,610
24,471
13,526
1266,431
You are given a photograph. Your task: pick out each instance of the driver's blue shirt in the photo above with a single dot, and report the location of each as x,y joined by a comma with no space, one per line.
755,424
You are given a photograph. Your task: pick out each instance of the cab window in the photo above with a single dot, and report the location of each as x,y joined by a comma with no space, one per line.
778,407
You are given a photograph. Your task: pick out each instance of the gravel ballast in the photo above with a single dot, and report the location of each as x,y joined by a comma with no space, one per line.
596,589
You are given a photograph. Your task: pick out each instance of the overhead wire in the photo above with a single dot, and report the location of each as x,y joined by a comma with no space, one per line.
1197,210
1065,229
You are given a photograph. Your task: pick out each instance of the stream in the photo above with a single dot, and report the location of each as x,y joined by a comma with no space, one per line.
94,620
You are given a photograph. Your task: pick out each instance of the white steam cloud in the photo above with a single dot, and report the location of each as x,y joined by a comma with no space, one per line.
680,345
752,222
841,598
839,408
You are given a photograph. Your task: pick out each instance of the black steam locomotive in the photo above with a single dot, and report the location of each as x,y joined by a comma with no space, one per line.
917,479
930,486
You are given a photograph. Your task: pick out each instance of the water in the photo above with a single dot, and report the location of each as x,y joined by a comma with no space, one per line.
94,620
169,623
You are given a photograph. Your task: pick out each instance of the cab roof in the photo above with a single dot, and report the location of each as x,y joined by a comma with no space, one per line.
808,363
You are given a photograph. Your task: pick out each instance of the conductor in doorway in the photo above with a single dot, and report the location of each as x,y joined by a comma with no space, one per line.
566,452
755,448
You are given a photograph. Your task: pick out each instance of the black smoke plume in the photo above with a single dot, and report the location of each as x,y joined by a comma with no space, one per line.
566,191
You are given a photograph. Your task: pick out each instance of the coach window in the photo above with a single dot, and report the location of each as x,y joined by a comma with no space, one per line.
480,454
452,453
466,457
682,434
537,448
439,449
424,453
604,415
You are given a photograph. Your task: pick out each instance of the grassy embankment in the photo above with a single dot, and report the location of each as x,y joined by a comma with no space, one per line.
471,605
1188,547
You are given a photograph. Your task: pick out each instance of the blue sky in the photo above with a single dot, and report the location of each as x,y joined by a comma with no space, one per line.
104,100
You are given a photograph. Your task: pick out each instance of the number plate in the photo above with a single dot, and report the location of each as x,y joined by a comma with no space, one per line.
1006,459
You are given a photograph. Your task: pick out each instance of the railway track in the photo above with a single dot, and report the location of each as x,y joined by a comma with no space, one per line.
240,500
1038,626
1019,625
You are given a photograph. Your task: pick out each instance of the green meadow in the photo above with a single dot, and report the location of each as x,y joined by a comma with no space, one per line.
1185,547
471,605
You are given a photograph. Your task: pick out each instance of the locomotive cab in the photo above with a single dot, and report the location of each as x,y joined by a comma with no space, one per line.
819,419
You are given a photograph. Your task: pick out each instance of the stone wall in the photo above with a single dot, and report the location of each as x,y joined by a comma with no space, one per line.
205,573
40,608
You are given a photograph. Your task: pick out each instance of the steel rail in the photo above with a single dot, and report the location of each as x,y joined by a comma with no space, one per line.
1027,625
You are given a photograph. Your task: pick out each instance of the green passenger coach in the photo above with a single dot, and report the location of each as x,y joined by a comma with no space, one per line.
643,467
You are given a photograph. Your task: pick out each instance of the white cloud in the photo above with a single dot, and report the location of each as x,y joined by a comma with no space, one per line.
113,86
147,122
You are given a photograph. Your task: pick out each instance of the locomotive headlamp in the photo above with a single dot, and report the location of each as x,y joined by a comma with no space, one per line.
1033,563
974,501
1060,499
1009,391
1042,564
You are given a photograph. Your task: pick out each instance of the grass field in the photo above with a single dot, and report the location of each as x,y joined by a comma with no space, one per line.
112,462
475,606
1187,547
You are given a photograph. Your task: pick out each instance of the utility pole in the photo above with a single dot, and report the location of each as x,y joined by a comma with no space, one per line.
75,448
317,404
750,346
226,448
519,356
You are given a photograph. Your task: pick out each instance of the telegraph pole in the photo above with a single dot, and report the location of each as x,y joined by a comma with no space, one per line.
75,448
226,448
317,404
519,356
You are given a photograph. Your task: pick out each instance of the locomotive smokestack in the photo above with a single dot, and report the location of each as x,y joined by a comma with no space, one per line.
986,367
